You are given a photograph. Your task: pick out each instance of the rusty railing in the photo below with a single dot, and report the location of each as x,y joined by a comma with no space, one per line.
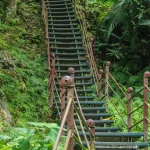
67,115
125,100
88,40
144,106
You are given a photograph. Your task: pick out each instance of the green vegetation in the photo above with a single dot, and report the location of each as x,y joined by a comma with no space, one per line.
37,136
121,32
23,76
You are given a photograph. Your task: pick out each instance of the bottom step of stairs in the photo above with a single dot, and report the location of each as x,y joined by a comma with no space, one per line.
119,145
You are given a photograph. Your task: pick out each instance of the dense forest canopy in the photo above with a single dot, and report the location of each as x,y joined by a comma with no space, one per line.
122,32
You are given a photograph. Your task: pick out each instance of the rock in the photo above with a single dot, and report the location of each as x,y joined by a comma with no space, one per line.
5,115
6,61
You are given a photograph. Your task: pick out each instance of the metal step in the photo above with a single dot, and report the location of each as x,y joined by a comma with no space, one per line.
58,5
58,2
63,29
99,122
68,48
103,129
70,54
65,33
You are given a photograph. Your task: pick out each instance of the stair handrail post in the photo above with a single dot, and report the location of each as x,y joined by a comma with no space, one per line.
91,40
129,123
83,24
145,108
100,75
67,83
51,81
106,82
91,124
71,73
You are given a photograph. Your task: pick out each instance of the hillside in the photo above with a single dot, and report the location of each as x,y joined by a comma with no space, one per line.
23,76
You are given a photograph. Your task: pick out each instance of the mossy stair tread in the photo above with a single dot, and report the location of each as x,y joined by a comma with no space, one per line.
60,1
58,17
98,122
68,44
69,54
140,144
77,71
57,9
83,103
71,65
96,114
84,97
116,134
64,29
80,77
70,24
73,59
68,48
120,145
93,108
66,38
65,33
57,5
63,19
104,129
60,13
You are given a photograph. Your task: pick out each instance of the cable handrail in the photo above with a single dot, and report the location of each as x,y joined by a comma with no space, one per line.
117,95
87,40
117,84
121,116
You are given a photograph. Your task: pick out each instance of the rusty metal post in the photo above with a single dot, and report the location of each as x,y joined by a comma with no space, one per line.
70,119
145,108
90,123
83,23
71,72
63,91
100,83
106,82
68,84
90,56
130,90
51,81
47,38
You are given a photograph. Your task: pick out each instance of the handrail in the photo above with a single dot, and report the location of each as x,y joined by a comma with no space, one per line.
69,116
87,40
62,123
128,109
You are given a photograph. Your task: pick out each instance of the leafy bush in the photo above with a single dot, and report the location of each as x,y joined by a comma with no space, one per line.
38,136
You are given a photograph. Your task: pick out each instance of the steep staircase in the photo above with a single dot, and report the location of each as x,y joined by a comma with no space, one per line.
67,44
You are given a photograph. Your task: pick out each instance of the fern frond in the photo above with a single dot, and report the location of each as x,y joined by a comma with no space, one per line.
145,22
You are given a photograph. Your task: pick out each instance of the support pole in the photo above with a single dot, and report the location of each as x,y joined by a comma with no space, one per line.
51,81
130,90
145,108
91,125
100,83
106,82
